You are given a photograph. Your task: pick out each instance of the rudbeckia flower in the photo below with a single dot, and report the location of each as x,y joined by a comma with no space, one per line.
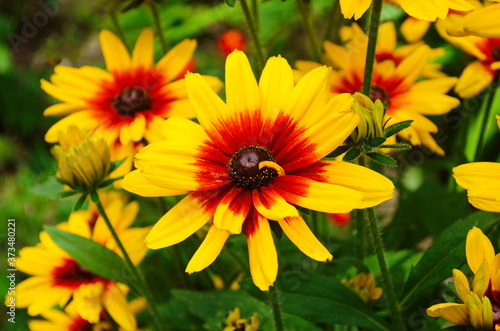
250,160
394,82
70,320
481,304
428,10
234,322
57,277
482,22
364,286
480,73
128,101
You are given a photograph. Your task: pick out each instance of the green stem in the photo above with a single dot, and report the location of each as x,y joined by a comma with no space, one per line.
308,26
487,114
360,235
333,23
159,30
273,297
139,281
254,34
378,246
372,45
116,25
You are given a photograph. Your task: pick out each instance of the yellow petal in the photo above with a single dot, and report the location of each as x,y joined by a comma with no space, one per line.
262,253
233,210
116,305
114,52
315,195
477,174
276,84
374,187
209,249
452,312
185,218
483,22
82,119
386,42
177,58
242,92
474,306
428,10
413,30
478,248
299,233
136,183
142,56
354,8
271,205
461,284
60,109
484,198
474,79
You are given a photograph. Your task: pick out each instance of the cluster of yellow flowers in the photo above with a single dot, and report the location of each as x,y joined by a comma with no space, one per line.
256,157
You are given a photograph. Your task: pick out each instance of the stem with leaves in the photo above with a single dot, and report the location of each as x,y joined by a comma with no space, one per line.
156,18
373,27
251,21
140,283
273,297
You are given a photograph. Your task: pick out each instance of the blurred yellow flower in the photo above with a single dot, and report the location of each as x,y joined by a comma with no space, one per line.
482,22
234,322
479,307
428,10
364,286
127,103
57,278
83,161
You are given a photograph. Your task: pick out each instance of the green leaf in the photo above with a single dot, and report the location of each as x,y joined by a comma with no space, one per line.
447,253
231,3
92,255
404,147
64,194
108,182
339,151
351,155
377,141
324,300
383,159
397,127
115,164
79,203
276,228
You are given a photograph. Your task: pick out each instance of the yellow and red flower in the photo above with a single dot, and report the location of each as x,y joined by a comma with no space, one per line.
479,74
128,102
428,10
57,277
481,305
251,160
395,82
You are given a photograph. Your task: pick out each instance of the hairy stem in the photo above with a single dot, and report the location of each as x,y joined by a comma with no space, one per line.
372,45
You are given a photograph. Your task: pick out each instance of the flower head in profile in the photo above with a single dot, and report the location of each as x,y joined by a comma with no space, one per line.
428,10
56,278
364,286
395,83
251,160
83,161
480,305
127,102
479,74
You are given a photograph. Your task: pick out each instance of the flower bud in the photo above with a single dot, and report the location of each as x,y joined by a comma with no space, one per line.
371,118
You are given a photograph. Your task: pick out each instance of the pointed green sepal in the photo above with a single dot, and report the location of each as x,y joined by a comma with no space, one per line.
396,128
383,159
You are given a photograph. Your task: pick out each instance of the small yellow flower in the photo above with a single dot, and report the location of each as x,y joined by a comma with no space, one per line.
479,307
364,286
83,161
234,322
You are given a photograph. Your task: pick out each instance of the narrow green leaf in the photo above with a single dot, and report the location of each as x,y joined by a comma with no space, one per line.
351,155
79,203
339,151
276,228
231,3
404,147
377,141
94,197
383,159
64,194
92,256
447,253
115,164
109,182
397,127
323,300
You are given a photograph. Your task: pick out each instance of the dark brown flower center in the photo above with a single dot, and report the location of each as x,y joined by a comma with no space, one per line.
79,324
495,53
379,93
244,167
72,274
131,101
